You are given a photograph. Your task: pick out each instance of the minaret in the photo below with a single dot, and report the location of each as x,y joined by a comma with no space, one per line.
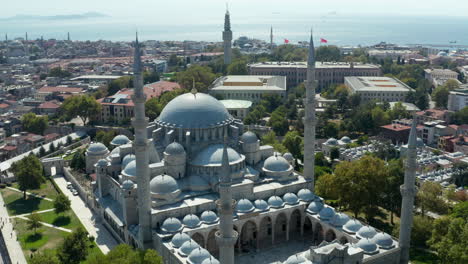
309,119
227,38
226,237
68,36
408,191
271,38
140,145
26,36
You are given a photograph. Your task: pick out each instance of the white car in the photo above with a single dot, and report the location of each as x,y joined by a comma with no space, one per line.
69,185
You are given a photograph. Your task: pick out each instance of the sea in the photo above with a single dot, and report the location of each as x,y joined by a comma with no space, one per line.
337,29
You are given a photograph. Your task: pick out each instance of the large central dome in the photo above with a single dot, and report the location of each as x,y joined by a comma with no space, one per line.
197,110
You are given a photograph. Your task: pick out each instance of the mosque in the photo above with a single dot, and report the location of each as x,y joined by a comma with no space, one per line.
198,188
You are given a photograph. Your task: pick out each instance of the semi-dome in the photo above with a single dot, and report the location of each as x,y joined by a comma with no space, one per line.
326,213
213,156
339,219
163,184
130,169
175,149
179,239
127,185
306,195
275,202
352,226
315,207
97,148
290,198
276,163
102,163
261,205
209,217
188,247
127,159
383,240
288,156
197,256
296,259
191,221
171,225
366,232
210,260
367,246
244,206
197,110
332,141
249,137
120,140
346,140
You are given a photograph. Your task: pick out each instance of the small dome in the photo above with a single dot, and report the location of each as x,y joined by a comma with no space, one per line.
191,221
261,205
171,225
315,207
127,159
244,206
275,202
97,148
276,163
249,137
179,239
102,163
366,232
352,226
383,240
130,169
197,256
332,141
213,155
209,217
187,247
288,156
339,219
175,149
367,246
127,185
419,142
306,195
120,140
210,260
326,213
346,140
296,259
163,184
290,198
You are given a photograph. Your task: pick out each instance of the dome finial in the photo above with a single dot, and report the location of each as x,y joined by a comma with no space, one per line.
194,90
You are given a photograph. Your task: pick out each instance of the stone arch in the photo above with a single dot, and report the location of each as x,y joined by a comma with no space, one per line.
343,240
237,246
265,233
211,244
197,237
318,233
281,224
295,222
49,163
249,237
308,231
330,235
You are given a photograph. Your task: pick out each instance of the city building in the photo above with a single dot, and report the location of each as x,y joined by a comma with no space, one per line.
457,100
396,133
248,87
384,89
332,143
429,115
48,92
237,108
439,76
326,73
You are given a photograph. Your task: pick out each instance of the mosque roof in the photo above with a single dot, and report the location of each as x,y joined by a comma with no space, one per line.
367,246
296,259
276,163
179,239
249,137
366,232
383,240
210,260
101,163
197,256
306,195
288,156
209,217
197,110
130,169
326,213
171,225
315,207
127,185
275,202
174,149
339,219
187,247
244,206
191,221
213,155
290,198
120,140
97,148
352,226
163,184
261,205
127,159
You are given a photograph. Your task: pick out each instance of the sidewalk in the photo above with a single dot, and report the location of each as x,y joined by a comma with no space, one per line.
13,246
30,194
104,239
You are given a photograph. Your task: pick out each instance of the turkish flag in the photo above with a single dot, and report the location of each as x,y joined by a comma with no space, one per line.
322,40
286,41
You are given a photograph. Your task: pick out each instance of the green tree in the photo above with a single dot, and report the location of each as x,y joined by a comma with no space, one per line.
237,67
461,117
105,137
328,53
440,96
448,239
42,151
325,188
334,153
69,140
74,248
391,198
78,161
294,143
52,147
28,172
201,76
34,221
46,257
83,106
125,254
331,130
420,231
34,124
58,72
150,77
153,108
278,121
452,84
61,204
116,85
270,139
430,197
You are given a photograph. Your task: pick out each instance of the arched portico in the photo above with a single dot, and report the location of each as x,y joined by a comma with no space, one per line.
330,235
197,237
318,233
295,223
211,244
281,225
249,237
265,235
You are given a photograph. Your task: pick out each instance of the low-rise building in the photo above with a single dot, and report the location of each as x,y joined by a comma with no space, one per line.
457,100
384,89
396,133
433,115
48,108
47,92
237,108
439,76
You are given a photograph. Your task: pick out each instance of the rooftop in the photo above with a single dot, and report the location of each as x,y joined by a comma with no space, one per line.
375,84
318,65
235,104
59,89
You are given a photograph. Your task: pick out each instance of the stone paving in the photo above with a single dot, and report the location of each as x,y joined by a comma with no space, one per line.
274,255
9,235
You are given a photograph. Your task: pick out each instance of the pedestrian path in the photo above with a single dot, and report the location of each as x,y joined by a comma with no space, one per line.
9,235
48,225
30,194
37,212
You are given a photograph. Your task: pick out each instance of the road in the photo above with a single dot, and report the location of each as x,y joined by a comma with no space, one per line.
9,235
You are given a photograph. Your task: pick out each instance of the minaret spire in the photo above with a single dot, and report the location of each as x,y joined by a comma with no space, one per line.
140,144
26,36
309,119
68,36
226,237
408,192
271,38
227,37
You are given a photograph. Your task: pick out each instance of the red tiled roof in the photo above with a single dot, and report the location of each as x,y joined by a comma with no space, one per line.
396,127
9,148
3,106
59,89
51,136
48,105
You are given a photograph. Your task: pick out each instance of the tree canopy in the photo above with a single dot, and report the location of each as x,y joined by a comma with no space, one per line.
84,106
125,254
61,204
29,173
34,123
237,67
74,248
201,76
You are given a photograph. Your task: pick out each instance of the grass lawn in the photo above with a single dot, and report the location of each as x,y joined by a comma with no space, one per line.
17,205
66,220
47,189
419,256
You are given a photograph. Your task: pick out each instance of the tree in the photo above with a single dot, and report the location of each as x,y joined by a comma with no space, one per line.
61,204
391,199
34,221
42,151
420,231
448,239
83,106
430,197
334,153
52,147
116,85
325,188
452,84
28,172
153,108
69,140
440,96
200,76
237,67
34,124
74,248
78,161
150,77
270,139
46,257
461,117
58,72
331,130
294,143
328,53
125,254
278,121
105,137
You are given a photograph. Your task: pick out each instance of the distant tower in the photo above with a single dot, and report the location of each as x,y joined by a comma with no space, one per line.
309,119
6,37
271,38
68,36
140,144
26,36
227,38
408,191
226,237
